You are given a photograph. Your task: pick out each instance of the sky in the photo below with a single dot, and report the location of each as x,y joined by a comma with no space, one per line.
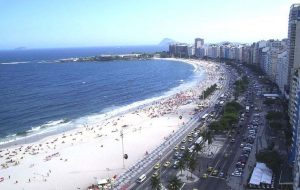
79,23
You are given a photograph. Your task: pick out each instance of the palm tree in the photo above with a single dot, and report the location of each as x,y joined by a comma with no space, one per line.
192,165
186,155
175,183
155,183
208,136
181,165
199,147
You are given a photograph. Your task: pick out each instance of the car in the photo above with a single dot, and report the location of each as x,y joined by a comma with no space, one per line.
190,139
176,155
226,155
249,145
156,166
183,140
242,145
214,173
155,175
167,164
232,141
236,174
221,174
141,178
189,135
238,169
240,165
205,175
248,148
182,148
176,148
209,169
175,164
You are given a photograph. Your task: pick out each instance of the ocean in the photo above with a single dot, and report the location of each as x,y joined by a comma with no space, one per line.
40,96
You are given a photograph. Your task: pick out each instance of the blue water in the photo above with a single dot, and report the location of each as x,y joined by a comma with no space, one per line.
33,94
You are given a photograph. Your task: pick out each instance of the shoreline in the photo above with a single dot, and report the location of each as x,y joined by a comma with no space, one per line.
42,131
94,150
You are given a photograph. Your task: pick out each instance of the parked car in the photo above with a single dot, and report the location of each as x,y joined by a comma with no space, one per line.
214,173
209,169
221,174
205,175
155,175
167,164
156,166
175,165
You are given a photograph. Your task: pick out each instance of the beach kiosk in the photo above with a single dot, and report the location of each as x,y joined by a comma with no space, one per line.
104,183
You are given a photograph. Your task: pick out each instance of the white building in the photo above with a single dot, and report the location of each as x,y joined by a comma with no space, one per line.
282,70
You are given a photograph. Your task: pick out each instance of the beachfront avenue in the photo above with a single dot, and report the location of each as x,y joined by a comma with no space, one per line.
164,153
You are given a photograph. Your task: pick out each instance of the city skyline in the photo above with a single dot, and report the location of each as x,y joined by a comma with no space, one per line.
46,24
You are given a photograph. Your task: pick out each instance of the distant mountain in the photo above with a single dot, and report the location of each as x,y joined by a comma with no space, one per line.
166,42
20,48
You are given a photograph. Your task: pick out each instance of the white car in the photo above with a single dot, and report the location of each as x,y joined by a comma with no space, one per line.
182,148
237,174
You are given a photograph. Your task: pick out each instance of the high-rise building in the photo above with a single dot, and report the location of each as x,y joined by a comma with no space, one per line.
293,55
180,50
199,42
293,50
294,40
199,51
282,69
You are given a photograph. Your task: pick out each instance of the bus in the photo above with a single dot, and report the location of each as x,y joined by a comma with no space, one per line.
199,140
191,149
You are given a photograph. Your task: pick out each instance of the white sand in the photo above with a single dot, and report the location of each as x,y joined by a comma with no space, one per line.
95,151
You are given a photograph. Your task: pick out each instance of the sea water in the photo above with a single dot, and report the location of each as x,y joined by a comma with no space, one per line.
38,95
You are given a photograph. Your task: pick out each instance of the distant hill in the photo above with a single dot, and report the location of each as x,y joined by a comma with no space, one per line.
20,48
166,42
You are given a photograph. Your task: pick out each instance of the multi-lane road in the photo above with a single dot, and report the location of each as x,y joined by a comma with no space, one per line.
228,152
167,173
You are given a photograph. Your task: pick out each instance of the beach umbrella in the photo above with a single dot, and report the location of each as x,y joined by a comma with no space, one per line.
180,117
126,156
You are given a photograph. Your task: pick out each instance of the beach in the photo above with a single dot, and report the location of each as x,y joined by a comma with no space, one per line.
75,159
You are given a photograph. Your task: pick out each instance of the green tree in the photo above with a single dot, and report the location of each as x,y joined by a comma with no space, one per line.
192,165
199,147
181,165
208,136
269,102
175,183
155,183
186,155
271,158
274,115
275,125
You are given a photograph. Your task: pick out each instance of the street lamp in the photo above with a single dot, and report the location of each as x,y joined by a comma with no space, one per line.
123,155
